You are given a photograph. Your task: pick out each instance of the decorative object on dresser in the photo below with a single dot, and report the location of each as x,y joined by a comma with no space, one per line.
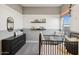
12,44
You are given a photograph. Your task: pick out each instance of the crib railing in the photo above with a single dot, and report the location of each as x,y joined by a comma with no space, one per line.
51,47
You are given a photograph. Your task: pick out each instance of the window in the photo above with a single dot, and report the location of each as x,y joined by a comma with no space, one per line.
67,21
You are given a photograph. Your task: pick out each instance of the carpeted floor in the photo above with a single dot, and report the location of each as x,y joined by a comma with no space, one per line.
29,49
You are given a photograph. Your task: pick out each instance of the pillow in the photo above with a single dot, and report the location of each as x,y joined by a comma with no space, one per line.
73,39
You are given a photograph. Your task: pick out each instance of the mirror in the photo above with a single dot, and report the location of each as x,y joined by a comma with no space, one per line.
10,24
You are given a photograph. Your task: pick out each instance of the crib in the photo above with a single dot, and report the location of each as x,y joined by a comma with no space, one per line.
54,47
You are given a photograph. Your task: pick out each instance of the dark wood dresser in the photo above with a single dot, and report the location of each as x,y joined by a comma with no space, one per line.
12,44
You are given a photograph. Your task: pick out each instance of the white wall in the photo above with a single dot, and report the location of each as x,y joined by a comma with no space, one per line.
74,26
5,12
50,13
52,21
16,7
41,10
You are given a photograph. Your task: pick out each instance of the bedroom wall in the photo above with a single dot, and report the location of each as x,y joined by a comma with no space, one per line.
50,13
16,7
41,10
52,21
74,26
6,11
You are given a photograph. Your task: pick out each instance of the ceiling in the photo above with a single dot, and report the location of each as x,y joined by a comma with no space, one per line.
41,5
